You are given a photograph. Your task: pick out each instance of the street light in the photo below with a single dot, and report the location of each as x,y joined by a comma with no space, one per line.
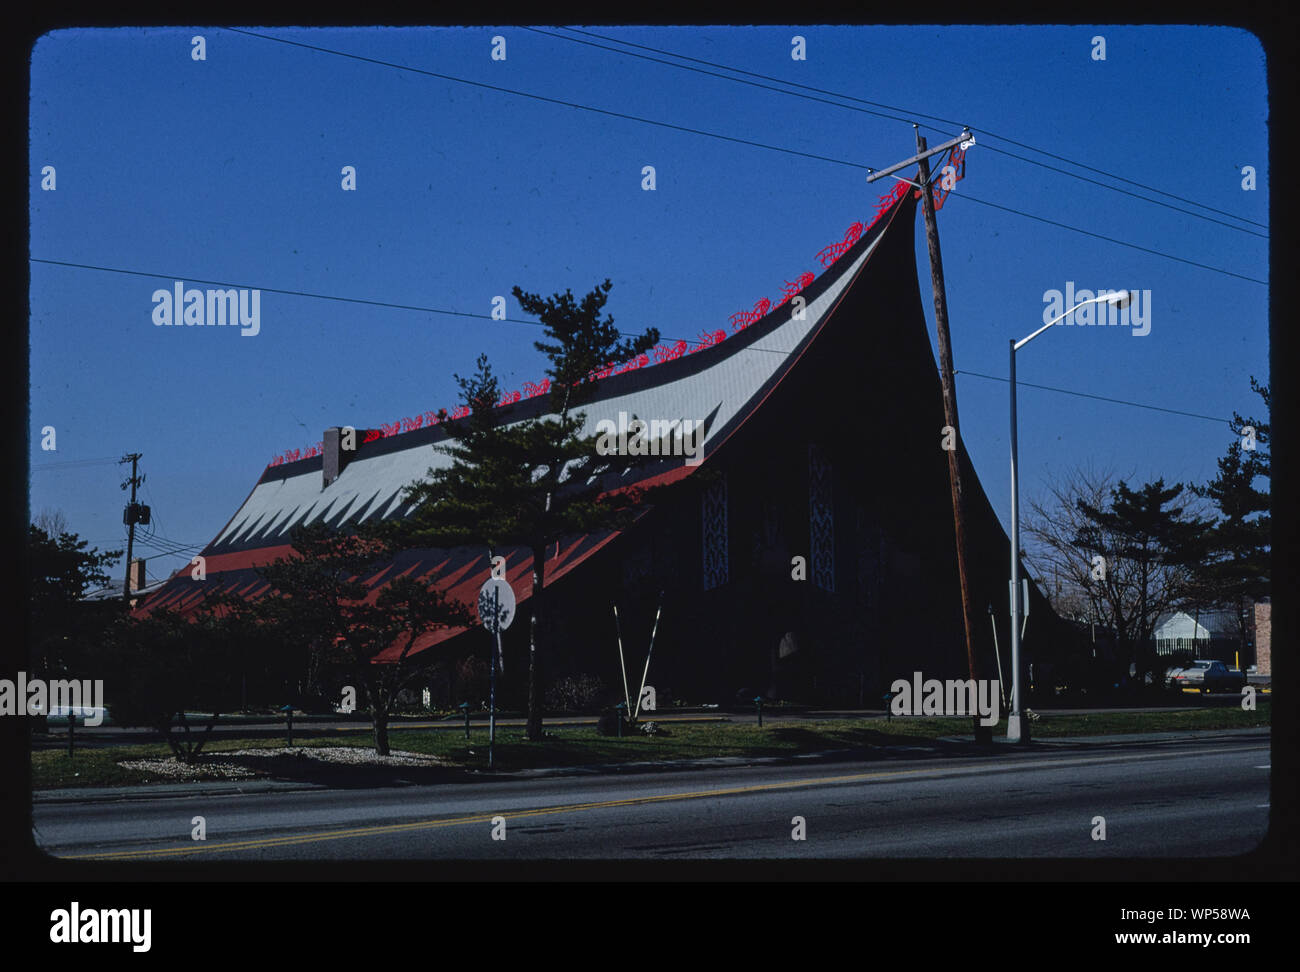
1118,299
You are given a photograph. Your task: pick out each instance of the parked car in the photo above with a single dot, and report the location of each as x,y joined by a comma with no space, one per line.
1206,676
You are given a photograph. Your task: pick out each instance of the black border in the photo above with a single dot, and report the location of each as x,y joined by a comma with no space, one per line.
956,895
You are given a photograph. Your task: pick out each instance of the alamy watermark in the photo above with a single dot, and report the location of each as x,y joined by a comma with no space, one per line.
76,924
656,437
37,696
952,697
233,307
1136,313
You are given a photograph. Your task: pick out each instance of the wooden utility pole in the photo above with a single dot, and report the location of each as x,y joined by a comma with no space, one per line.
922,158
982,733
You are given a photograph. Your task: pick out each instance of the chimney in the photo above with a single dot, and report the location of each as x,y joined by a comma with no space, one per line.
137,575
338,448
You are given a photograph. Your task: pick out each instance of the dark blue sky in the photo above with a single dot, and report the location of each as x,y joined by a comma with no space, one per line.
228,170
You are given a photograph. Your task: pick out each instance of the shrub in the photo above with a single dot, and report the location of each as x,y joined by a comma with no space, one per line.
576,693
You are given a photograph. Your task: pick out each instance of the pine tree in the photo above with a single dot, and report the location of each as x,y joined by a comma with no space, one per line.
64,627
529,483
1237,568
319,594
1148,549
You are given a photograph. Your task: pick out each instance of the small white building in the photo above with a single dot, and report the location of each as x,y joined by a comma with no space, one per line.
1209,634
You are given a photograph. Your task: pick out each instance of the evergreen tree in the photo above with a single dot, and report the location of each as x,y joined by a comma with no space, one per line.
1146,550
163,665
529,483
63,626
320,596
1237,568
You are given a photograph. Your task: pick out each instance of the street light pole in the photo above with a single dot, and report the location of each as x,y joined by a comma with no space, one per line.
1016,730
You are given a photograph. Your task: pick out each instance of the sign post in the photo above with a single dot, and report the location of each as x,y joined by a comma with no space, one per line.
496,609
622,664
645,674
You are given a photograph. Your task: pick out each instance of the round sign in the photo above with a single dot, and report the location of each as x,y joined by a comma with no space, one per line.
497,591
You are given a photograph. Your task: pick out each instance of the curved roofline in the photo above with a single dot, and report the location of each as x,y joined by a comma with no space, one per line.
633,380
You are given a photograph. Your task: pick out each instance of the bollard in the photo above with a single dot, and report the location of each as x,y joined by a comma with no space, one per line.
620,709
72,720
288,712
758,701
889,709
465,706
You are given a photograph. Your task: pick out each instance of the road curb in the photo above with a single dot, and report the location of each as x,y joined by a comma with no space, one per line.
939,746
157,791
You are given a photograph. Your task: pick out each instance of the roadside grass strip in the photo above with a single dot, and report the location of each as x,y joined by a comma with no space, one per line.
583,746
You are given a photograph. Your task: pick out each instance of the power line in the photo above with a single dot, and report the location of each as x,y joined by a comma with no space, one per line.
159,550
714,74
435,310
867,111
1156,202
766,77
1140,185
162,541
157,540
73,463
1100,398
1108,239
728,138
171,547
911,115
553,101
345,300
156,519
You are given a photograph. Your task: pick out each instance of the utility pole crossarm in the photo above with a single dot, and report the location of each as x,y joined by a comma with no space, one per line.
921,154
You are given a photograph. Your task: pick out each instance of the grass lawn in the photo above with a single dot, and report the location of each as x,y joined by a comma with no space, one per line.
584,746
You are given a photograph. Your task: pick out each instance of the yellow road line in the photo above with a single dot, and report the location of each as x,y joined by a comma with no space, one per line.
288,840
480,818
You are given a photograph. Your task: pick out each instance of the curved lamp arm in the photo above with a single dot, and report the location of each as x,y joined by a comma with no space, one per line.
1119,298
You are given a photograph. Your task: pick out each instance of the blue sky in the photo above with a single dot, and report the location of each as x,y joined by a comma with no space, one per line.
229,170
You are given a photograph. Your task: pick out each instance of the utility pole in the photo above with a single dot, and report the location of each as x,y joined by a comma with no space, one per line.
922,157
134,514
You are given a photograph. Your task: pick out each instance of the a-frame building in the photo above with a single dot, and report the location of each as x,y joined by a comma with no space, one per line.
822,441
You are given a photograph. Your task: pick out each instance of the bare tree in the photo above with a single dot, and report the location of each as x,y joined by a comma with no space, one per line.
1113,556
53,522
1064,571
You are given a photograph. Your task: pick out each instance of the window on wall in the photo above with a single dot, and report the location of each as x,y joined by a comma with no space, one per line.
821,520
713,513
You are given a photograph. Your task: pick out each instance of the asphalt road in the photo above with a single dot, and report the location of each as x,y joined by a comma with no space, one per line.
1195,797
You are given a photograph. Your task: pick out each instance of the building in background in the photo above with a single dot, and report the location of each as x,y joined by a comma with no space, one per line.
822,438
1215,634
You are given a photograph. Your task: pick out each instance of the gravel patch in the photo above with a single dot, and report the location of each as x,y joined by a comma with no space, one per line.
172,768
344,754
252,763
